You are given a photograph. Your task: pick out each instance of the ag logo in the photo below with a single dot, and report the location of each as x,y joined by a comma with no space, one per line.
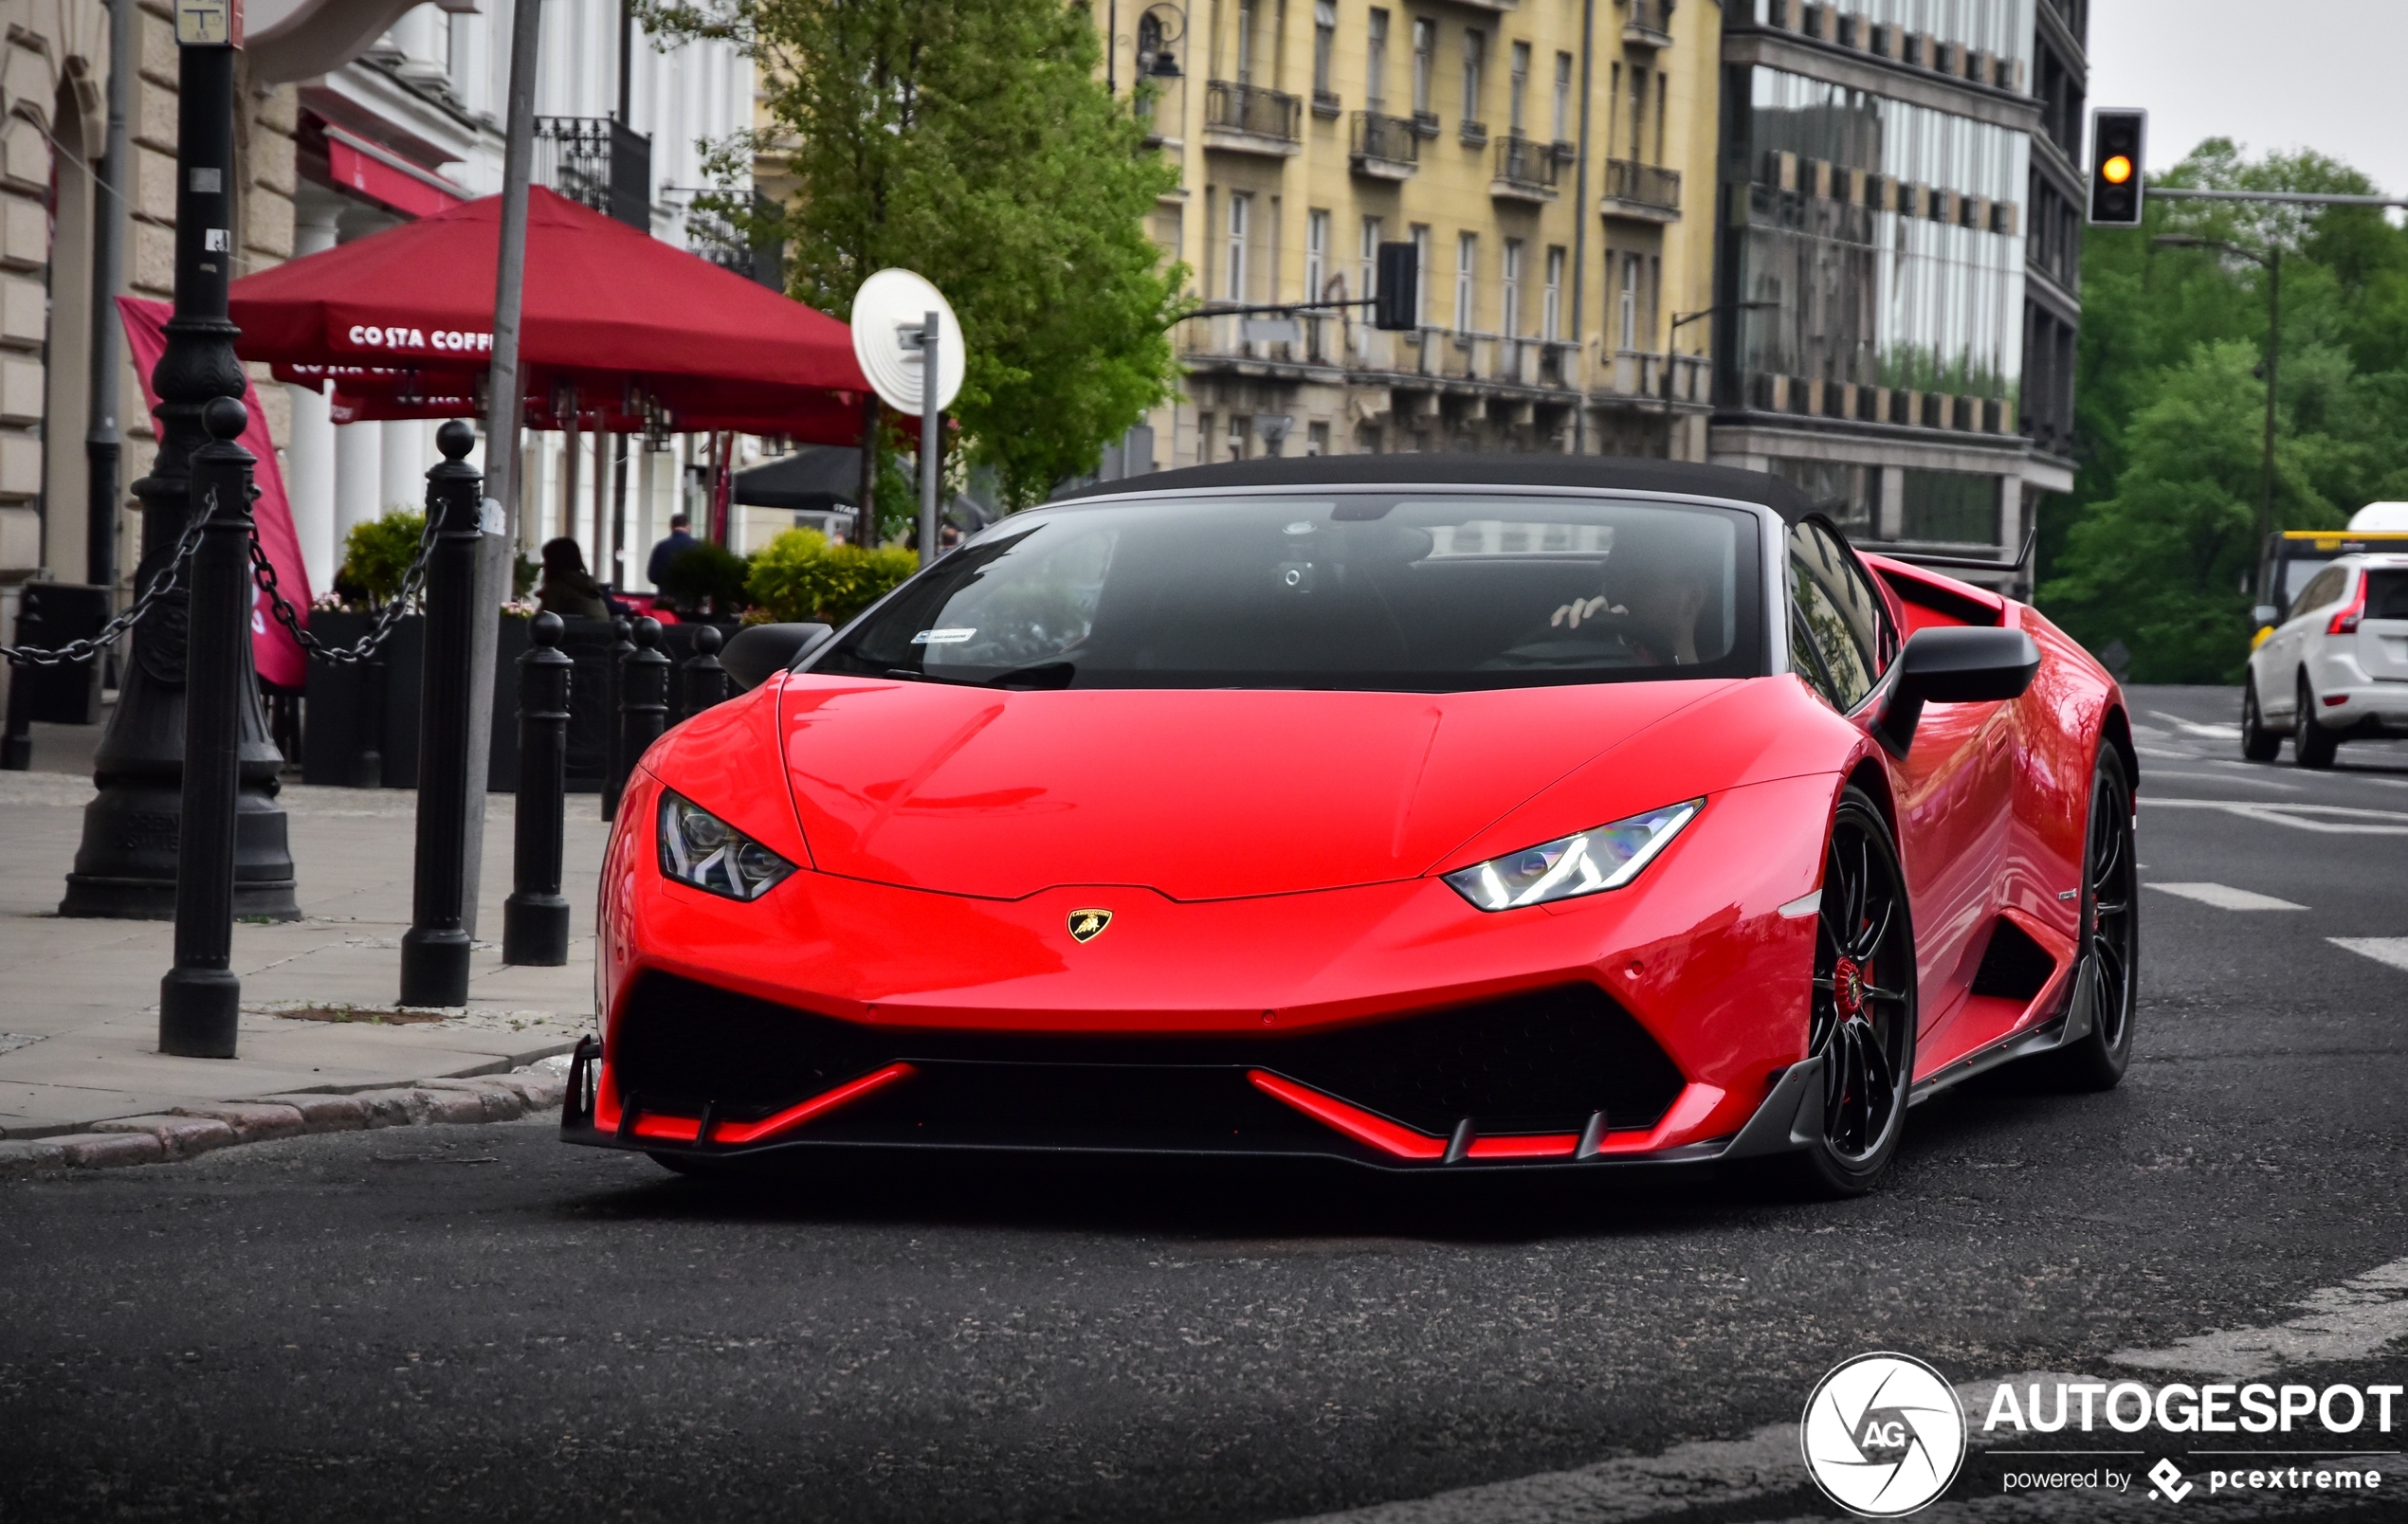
1086,925
1884,1435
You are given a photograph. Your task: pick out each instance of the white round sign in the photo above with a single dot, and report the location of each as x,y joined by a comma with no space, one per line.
889,312
1884,1435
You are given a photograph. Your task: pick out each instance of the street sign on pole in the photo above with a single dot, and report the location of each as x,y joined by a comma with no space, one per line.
909,346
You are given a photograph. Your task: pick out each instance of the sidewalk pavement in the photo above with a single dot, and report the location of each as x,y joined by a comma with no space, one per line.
79,999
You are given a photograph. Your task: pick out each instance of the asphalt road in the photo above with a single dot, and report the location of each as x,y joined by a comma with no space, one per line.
480,1322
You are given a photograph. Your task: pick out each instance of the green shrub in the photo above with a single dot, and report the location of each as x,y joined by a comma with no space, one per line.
705,572
377,553
800,577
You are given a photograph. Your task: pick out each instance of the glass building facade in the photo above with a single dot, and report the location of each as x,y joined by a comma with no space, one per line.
1877,243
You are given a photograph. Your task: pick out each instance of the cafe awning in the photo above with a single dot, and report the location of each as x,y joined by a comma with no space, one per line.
618,326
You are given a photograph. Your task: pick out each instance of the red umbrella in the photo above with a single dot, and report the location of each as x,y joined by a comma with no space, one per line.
402,323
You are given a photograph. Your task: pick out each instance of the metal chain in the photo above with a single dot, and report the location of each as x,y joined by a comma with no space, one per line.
387,618
108,634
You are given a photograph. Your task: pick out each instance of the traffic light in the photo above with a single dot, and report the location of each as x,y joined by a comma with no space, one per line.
2116,141
1396,307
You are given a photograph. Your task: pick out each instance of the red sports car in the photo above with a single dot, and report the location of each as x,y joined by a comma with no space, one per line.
1425,812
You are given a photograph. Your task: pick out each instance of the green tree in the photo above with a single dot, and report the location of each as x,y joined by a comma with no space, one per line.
971,141
2159,544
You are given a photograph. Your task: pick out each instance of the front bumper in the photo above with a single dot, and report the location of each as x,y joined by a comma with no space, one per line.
1559,1075
1388,1025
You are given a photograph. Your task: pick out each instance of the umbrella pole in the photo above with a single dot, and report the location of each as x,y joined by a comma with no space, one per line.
865,516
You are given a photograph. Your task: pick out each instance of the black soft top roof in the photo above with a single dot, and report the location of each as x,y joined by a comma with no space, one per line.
1602,473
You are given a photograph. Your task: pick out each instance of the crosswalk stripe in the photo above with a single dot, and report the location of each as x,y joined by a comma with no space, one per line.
2391,950
2224,897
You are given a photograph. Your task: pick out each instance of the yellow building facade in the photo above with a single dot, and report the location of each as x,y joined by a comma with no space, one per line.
1552,161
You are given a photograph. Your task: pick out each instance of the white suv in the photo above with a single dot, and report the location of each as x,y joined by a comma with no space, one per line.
2337,668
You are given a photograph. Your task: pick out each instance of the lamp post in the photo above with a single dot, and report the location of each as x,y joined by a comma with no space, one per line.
128,865
2272,260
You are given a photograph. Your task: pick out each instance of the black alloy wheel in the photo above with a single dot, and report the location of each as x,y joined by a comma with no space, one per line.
2108,977
1862,1005
2258,744
2313,745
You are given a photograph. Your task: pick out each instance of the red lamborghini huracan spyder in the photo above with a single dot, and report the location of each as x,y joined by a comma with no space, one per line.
1425,812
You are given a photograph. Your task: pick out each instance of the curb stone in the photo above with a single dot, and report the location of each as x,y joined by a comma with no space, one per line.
189,1130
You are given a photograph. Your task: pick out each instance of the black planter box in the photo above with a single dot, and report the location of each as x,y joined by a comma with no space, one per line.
336,731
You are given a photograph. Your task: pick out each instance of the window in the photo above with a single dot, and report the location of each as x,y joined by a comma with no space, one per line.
1405,590
1466,261
1509,290
1518,102
1950,507
1238,430
1324,42
1639,112
2387,595
2325,588
1245,41
1375,64
1627,304
1475,60
1421,265
1241,205
1835,618
1315,254
1316,439
1203,439
1551,313
1425,61
1842,492
1564,98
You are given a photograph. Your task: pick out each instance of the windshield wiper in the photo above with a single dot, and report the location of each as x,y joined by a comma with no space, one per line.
1035,675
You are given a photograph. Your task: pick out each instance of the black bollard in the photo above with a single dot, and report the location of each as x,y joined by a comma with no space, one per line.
644,692
614,765
200,998
535,919
703,681
434,951
16,745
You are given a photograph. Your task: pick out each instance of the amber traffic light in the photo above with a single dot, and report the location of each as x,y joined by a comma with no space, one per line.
2116,141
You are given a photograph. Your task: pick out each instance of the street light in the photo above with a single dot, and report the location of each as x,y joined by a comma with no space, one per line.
2272,261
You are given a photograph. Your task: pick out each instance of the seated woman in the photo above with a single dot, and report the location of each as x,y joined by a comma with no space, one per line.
567,589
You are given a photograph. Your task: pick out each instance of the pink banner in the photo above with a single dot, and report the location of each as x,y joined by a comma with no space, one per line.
275,652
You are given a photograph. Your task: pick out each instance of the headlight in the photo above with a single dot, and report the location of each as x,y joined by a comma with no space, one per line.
698,848
1605,857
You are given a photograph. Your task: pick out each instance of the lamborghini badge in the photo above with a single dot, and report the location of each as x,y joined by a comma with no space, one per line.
1086,925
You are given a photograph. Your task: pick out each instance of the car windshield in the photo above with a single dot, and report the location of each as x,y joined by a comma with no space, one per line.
1424,591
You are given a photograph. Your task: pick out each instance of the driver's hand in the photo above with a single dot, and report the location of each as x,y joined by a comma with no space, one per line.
1570,615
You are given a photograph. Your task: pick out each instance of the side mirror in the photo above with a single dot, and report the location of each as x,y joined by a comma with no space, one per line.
2263,615
757,650
1953,667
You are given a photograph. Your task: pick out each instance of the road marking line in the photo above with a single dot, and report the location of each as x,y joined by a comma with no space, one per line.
2391,950
2350,1321
2164,753
2289,814
2192,727
2224,897
2223,777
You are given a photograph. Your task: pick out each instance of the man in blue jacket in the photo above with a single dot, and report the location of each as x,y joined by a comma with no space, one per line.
678,543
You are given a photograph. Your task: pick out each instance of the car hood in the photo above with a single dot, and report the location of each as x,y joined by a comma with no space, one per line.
1199,794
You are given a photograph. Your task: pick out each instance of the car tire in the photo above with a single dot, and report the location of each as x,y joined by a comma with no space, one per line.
1864,938
2258,744
2313,745
2108,974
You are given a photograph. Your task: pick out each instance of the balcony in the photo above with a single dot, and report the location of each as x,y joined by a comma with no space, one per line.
1247,119
1383,147
1325,105
1526,171
597,162
1473,133
1649,24
1645,376
1644,191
